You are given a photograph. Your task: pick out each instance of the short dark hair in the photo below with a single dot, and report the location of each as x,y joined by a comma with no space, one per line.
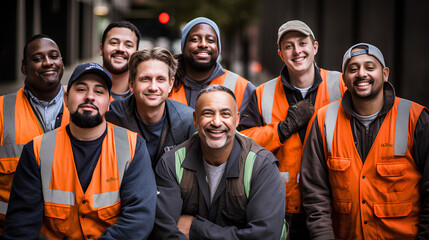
157,53
121,24
214,88
34,37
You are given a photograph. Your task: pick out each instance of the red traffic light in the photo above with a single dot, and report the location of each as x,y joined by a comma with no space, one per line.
164,17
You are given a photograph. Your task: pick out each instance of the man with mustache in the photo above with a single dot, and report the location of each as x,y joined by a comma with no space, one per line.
365,167
120,40
87,180
162,122
278,114
198,66
31,111
219,184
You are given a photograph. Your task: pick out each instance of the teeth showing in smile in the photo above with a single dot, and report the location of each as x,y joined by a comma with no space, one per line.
363,84
216,131
298,59
122,58
202,53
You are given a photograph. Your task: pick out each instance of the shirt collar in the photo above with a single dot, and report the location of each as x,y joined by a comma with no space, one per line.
35,100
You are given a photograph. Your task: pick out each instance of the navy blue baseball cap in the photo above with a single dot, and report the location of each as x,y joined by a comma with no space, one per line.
91,68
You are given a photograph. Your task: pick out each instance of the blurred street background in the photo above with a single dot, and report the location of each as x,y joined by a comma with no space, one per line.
248,32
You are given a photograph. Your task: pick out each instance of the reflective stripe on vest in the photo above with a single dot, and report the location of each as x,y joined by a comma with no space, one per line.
3,208
334,91
9,149
47,150
401,128
333,83
230,81
268,100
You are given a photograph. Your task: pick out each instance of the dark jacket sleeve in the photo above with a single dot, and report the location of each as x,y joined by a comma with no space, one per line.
138,199
25,210
169,202
315,186
251,117
264,210
421,157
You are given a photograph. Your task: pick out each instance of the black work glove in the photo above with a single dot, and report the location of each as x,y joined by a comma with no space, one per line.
297,117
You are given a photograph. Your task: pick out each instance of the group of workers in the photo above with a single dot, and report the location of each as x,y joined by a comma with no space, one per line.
156,146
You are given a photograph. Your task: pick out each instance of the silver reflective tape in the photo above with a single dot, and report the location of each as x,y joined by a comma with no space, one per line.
11,150
330,122
46,159
9,102
284,176
123,154
59,196
230,81
3,208
333,78
401,128
105,199
267,100
297,177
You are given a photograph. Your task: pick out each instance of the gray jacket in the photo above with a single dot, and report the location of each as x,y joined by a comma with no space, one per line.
178,127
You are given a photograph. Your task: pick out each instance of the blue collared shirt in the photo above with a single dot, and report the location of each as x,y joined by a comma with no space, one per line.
46,112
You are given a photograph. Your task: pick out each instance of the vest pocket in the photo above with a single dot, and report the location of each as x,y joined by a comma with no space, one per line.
395,220
391,177
341,219
339,176
110,214
58,216
8,166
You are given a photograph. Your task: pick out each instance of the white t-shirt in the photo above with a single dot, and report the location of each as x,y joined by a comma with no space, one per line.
303,91
213,176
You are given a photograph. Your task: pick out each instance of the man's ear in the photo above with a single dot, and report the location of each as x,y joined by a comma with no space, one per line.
101,49
66,94
23,67
386,71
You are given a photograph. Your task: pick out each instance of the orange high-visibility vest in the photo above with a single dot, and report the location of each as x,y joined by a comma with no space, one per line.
380,198
18,126
233,81
273,107
69,213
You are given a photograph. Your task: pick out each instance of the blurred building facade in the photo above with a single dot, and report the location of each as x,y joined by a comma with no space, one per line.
397,27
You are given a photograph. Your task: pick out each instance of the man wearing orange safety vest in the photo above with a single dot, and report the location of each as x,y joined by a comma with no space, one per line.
365,166
34,109
198,66
87,180
279,111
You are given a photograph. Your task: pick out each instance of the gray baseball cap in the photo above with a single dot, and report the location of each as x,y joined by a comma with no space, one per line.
372,50
294,25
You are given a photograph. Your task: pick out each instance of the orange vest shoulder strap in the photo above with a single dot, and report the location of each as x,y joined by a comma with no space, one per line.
179,95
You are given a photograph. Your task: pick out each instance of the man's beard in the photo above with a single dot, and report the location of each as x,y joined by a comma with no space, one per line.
85,119
116,71
201,67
